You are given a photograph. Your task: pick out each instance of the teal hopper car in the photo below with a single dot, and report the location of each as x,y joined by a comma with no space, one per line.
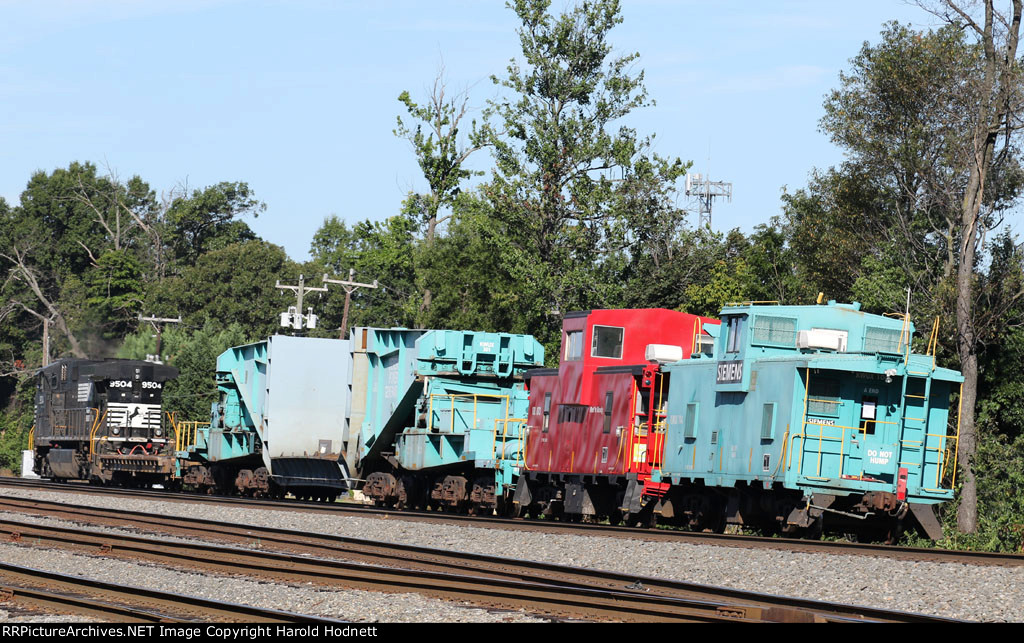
279,424
443,414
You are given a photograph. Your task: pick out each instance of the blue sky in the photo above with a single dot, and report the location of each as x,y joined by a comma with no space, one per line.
299,98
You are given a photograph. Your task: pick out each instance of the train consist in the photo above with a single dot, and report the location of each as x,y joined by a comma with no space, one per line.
793,419
799,418
102,421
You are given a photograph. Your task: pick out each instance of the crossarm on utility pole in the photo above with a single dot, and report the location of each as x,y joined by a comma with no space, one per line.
349,285
159,331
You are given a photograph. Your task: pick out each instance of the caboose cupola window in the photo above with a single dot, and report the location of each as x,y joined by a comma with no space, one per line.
735,330
607,342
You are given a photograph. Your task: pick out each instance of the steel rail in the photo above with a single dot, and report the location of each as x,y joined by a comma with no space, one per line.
125,603
874,550
547,597
431,560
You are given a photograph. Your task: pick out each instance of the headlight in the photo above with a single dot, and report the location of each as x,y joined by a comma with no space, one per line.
158,432
116,431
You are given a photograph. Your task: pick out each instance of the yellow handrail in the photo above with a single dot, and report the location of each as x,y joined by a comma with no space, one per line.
933,341
476,399
95,427
186,433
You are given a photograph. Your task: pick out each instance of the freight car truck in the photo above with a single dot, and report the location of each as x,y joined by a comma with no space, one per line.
280,423
440,415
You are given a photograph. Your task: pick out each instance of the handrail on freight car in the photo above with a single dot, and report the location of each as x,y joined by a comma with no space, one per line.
520,453
185,432
452,396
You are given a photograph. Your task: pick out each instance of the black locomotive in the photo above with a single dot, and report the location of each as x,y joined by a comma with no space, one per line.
102,421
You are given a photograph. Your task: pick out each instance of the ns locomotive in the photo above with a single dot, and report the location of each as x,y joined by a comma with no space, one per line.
102,421
797,419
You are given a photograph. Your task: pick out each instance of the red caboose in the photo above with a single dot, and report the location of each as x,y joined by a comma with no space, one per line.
596,423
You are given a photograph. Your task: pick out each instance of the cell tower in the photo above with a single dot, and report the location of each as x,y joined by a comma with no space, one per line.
705,191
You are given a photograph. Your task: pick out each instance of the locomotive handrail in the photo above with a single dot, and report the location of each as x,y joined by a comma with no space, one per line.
174,427
95,427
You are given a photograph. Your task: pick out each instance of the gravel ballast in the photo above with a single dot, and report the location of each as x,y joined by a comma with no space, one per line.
982,593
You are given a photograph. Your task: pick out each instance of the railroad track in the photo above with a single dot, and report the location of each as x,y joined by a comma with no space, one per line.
489,581
60,593
727,540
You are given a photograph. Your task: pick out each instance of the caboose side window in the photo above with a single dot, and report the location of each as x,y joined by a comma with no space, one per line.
607,342
690,427
547,412
772,330
768,421
823,397
573,345
609,399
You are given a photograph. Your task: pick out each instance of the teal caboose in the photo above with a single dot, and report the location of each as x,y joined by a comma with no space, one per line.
807,417
441,414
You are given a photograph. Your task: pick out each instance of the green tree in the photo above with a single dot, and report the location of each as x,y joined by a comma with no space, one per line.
192,393
927,121
66,221
566,179
441,156
208,220
383,251
234,284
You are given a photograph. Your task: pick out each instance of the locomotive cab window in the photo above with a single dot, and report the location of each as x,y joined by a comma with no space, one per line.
607,342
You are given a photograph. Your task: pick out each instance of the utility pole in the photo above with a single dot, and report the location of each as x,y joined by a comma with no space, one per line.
46,339
349,287
294,317
46,333
159,358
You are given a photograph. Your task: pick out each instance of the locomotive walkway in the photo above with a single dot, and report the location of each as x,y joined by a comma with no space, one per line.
490,581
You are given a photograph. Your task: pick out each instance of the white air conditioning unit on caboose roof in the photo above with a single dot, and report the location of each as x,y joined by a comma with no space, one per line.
663,353
822,338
